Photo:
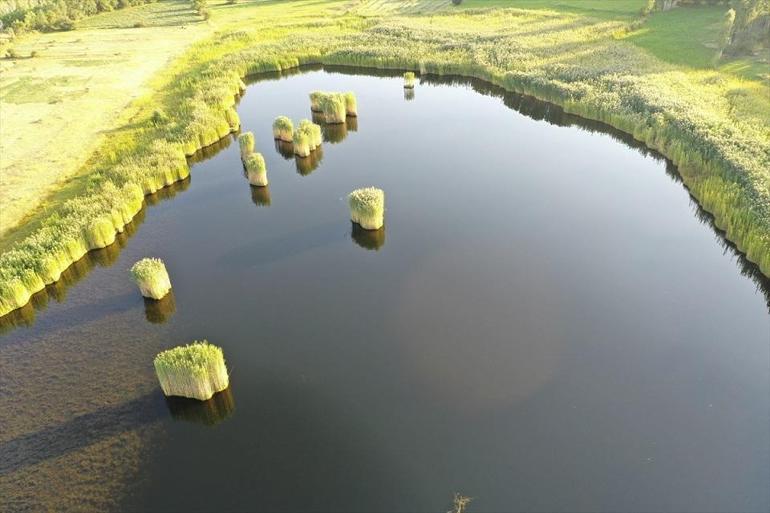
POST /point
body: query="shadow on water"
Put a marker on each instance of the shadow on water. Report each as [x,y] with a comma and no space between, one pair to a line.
[367,239]
[105,257]
[81,431]
[208,413]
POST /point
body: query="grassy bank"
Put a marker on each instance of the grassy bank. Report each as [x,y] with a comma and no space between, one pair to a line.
[712,123]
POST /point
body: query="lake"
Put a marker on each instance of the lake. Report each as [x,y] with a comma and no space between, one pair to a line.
[546,322]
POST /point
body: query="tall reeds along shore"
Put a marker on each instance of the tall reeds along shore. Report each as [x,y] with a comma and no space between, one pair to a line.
[367,207]
[197,371]
[152,278]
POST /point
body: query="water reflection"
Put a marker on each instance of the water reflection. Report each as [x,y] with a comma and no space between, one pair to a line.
[334,133]
[285,149]
[352,123]
[409,94]
[211,150]
[208,413]
[367,239]
[306,165]
[260,196]
[161,310]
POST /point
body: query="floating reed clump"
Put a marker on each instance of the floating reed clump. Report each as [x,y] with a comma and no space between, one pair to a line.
[367,207]
[256,171]
[351,105]
[409,80]
[313,132]
[301,144]
[315,100]
[246,143]
[333,108]
[151,276]
[197,370]
[283,129]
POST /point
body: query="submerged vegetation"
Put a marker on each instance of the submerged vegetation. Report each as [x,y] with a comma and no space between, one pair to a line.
[714,125]
[367,207]
[152,278]
[197,371]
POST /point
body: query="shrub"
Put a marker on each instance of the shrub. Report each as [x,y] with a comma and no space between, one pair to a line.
[246,144]
[367,207]
[409,79]
[256,169]
[151,276]
[283,129]
[197,371]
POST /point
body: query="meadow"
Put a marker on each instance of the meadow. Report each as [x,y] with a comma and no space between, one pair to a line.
[149,85]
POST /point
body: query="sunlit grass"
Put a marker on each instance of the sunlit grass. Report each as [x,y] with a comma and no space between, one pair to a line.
[367,207]
[197,371]
[152,278]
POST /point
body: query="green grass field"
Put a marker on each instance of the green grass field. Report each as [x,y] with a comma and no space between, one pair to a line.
[653,79]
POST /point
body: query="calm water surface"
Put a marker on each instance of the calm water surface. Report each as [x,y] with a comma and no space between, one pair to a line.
[546,322]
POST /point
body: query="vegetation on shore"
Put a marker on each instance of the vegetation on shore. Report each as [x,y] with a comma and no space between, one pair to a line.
[714,125]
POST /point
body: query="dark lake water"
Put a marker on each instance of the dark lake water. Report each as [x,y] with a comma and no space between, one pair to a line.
[546,323]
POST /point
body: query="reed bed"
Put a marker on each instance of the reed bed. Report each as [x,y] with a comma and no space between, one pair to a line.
[256,170]
[301,144]
[283,129]
[409,80]
[313,132]
[367,207]
[152,278]
[196,370]
[246,144]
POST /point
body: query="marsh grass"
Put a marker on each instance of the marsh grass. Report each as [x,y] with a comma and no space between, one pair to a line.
[367,207]
[283,129]
[409,80]
[301,143]
[246,144]
[256,171]
[152,278]
[333,108]
[196,370]
[351,104]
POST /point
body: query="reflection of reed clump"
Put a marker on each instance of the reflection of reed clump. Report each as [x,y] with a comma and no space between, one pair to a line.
[408,94]
[260,196]
[307,165]
[209,413]
[367,239]
[285,149]
[159,311]
[352,123]
[335,133]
